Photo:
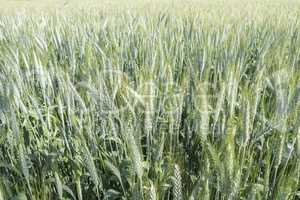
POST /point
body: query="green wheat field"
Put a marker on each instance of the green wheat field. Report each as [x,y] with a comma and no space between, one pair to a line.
[149,100]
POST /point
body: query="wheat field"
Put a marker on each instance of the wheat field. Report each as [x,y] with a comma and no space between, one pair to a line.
[171,100]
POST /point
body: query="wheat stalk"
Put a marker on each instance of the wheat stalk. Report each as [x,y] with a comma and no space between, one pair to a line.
[177,183]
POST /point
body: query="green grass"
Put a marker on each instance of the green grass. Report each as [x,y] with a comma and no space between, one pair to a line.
[194,103]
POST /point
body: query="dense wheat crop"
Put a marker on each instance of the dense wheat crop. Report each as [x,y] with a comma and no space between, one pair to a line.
[192,103]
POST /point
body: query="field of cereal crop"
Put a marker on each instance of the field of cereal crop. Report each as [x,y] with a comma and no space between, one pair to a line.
[171,100]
